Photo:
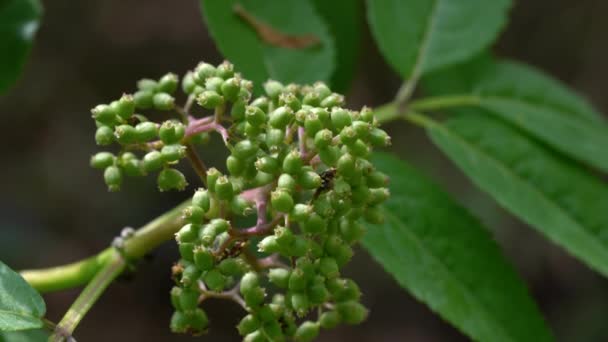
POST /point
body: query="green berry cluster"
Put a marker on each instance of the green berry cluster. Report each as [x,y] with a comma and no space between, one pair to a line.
[298,165]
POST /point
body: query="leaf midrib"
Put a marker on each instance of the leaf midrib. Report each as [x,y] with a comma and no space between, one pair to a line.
[525,183]
[424,43]
[465,289]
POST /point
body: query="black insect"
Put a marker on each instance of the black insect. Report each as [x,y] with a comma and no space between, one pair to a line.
[327,181]
[233,251]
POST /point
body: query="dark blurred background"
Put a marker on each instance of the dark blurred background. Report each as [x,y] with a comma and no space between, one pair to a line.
[54,209]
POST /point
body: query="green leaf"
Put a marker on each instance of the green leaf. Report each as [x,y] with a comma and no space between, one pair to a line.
[533,101]
[258,60]
[19,20]
[343,19]
[34,335]
[555,196]
[445,258]
[419,36]
[21,307]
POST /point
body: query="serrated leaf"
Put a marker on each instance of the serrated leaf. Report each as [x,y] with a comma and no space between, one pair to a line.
[19,20]
[445,258]
[258,60]
[555,196]
[342,17]
[419,36]
[21,307]
[533,101]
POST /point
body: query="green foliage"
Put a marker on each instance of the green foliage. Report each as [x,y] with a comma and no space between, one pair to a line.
[259,60]
[538,104]
[34,335]
[557,197]
[21,307]
[18,25]
[445,258]
[419,36]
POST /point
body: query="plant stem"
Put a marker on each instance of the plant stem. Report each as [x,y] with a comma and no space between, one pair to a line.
[442,102]
[197,163]
[79,273]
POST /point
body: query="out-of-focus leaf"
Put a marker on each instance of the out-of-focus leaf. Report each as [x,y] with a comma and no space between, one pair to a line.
[21,307]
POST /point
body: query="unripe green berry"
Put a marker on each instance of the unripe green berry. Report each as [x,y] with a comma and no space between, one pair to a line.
[312,124]
[273,330]
[249,282]
[361,128]
[203,71]
[286,182]
[171,179]
[311,99]
[377,196]
[223,188]
[125,106]
[245,149]
[333,100]
[343,254]
[168,83]
[179,322]
[125,134]
[373,215]
[281,117]
[212,175]
[348,135]
[193,214]
[172,153]
[231,88]
[301,212]
[241,206]
[188,299]
[102,160]
[225,70]
[267,164]
[269,245]
[329,267]
[281,200]
[307,332]
[214,84]
[279,277]
[340,118]
[188,233]
[175,294]
[273,89]
[329,320]
[203,258]
[314,224]
[153,161]
[231,267]
[147,84]
[300,246]
[317,292]
[274,138]
[104,114]
[323,139]
[292,163]
[346,165]
[255,297]
[220,225]
[255,116]
[262,103]
[351,312]
[171,132]
[351,230]
[188,84]
[297,280]
[290,100]
[186,251]
[215,280]
[113,178]
[323,115]
[256,336]
[190,275]
[300,302]
[235,165]
[360,195]
[284,236]
[198,321]
[163,101]
[210,99]
[248,325]
[321,89]
[132,167]
[378,137]
[309,180]
[359,149]
[201,199]
[366,114]
[104,136]
[146,131]
[143,99]
[376,179]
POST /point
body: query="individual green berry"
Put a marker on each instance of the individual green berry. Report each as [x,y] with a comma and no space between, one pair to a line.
[179,322]
[314,224]
[248,325]
[351,230]
[329,320]
[361,128]
[147,84]
[171,179]
[231,267]
[299,247]
[125,134]
[323,115]
[235,165]
[241,206]
[125,106]
[104,136]
[262,103]
[203,258]
[215,280]
[212,175]
[297,280]
[329,155]
[352,312]
[376,179]
[146,131]
[267,164]
[132,167]
[378,137]
[269,245]
[281,200]
[312,124]
[373,215]
[311,99]
[359,149]
[255,297]
[273,330]
[321,89]
[172,153]
[290,100]
[256,336]
[210,99]
[317,292]
[186,251]
[309,180]
[333,100]
[188,233]
[329,267]
[323,139]
[225,70]
[113,178]
[348,136]
[301,212]
[300,302]
[153,161]
[346,165]
[188,299]
[201,199]
[188,83]
[223,188]
[275,138]
[214,84]
[340,118]
[366,114]
[204,71]
[281,117]
[293,163]
[171,132]
[163,101]
[273,89]
[168,83]
[377,196]
[104,114]
[284,236]
[279,277]
[198,321]
[255,116]
[231,88]
[245,149]
[249,282]
[143,99]
[193,214]
[219,225]
[102,160]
